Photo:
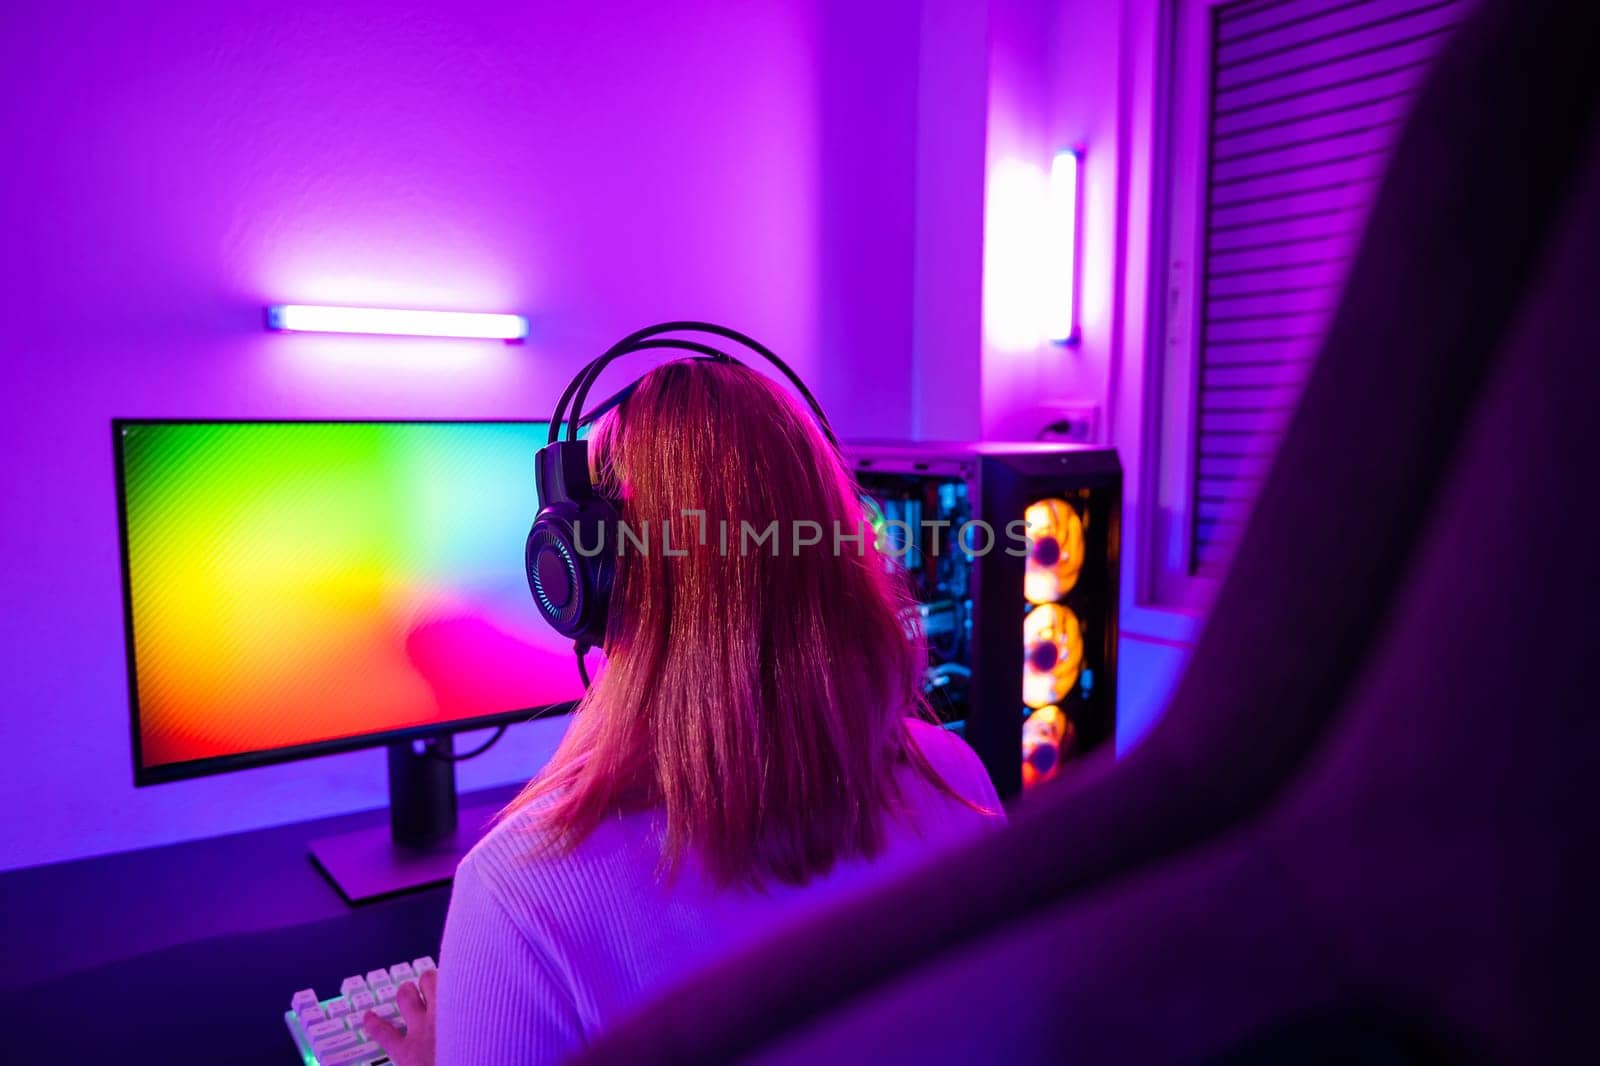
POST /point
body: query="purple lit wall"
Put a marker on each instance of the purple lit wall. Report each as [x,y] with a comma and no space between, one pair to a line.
[952,121]
[1053,83]
[1059,74]
[1002,86]
[174,167]
[1102,80]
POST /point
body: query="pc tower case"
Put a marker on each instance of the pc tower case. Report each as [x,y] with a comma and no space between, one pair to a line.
[1012,553]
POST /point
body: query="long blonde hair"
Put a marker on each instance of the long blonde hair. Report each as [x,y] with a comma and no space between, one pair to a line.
[755,690]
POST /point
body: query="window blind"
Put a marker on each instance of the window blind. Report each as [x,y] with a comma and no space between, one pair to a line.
[1307,97]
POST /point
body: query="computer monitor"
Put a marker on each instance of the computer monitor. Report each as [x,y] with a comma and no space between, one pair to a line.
[295,589]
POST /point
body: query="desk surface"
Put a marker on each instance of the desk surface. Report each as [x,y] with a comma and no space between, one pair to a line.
[189,953]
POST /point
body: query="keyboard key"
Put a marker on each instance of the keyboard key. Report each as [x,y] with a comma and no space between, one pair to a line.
[331,1042]
[335,1028]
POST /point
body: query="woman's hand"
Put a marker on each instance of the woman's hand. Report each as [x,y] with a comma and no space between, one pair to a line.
[417,1003]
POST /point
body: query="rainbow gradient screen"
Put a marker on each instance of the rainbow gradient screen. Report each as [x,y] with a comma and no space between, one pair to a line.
[305,583]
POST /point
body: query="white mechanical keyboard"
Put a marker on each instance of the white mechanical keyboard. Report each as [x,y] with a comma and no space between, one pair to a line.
[327,1032]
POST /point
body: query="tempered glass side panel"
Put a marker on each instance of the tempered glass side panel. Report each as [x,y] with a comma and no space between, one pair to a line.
[917,517]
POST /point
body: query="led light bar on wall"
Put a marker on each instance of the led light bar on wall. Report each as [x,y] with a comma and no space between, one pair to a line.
[305,318]
[1062,256]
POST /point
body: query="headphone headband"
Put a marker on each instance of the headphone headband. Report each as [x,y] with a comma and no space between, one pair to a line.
[703,351]
[577,391]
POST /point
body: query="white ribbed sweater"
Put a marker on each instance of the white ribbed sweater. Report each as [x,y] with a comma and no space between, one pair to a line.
[541,954]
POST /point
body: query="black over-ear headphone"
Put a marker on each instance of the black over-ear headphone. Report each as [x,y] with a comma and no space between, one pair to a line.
[571,550]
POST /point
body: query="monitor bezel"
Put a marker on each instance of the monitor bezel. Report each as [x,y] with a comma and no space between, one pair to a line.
[194,768]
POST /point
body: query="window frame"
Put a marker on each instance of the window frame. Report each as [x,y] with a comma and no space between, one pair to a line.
[1179,195]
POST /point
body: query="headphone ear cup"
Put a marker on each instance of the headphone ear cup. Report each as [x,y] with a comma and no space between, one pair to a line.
[572,587]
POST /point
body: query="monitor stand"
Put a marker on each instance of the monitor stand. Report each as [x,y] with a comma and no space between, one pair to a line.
[425,838]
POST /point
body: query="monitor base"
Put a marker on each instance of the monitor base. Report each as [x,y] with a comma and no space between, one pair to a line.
[368,865]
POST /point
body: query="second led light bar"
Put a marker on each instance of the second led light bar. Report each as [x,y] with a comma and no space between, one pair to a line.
[1061,242]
